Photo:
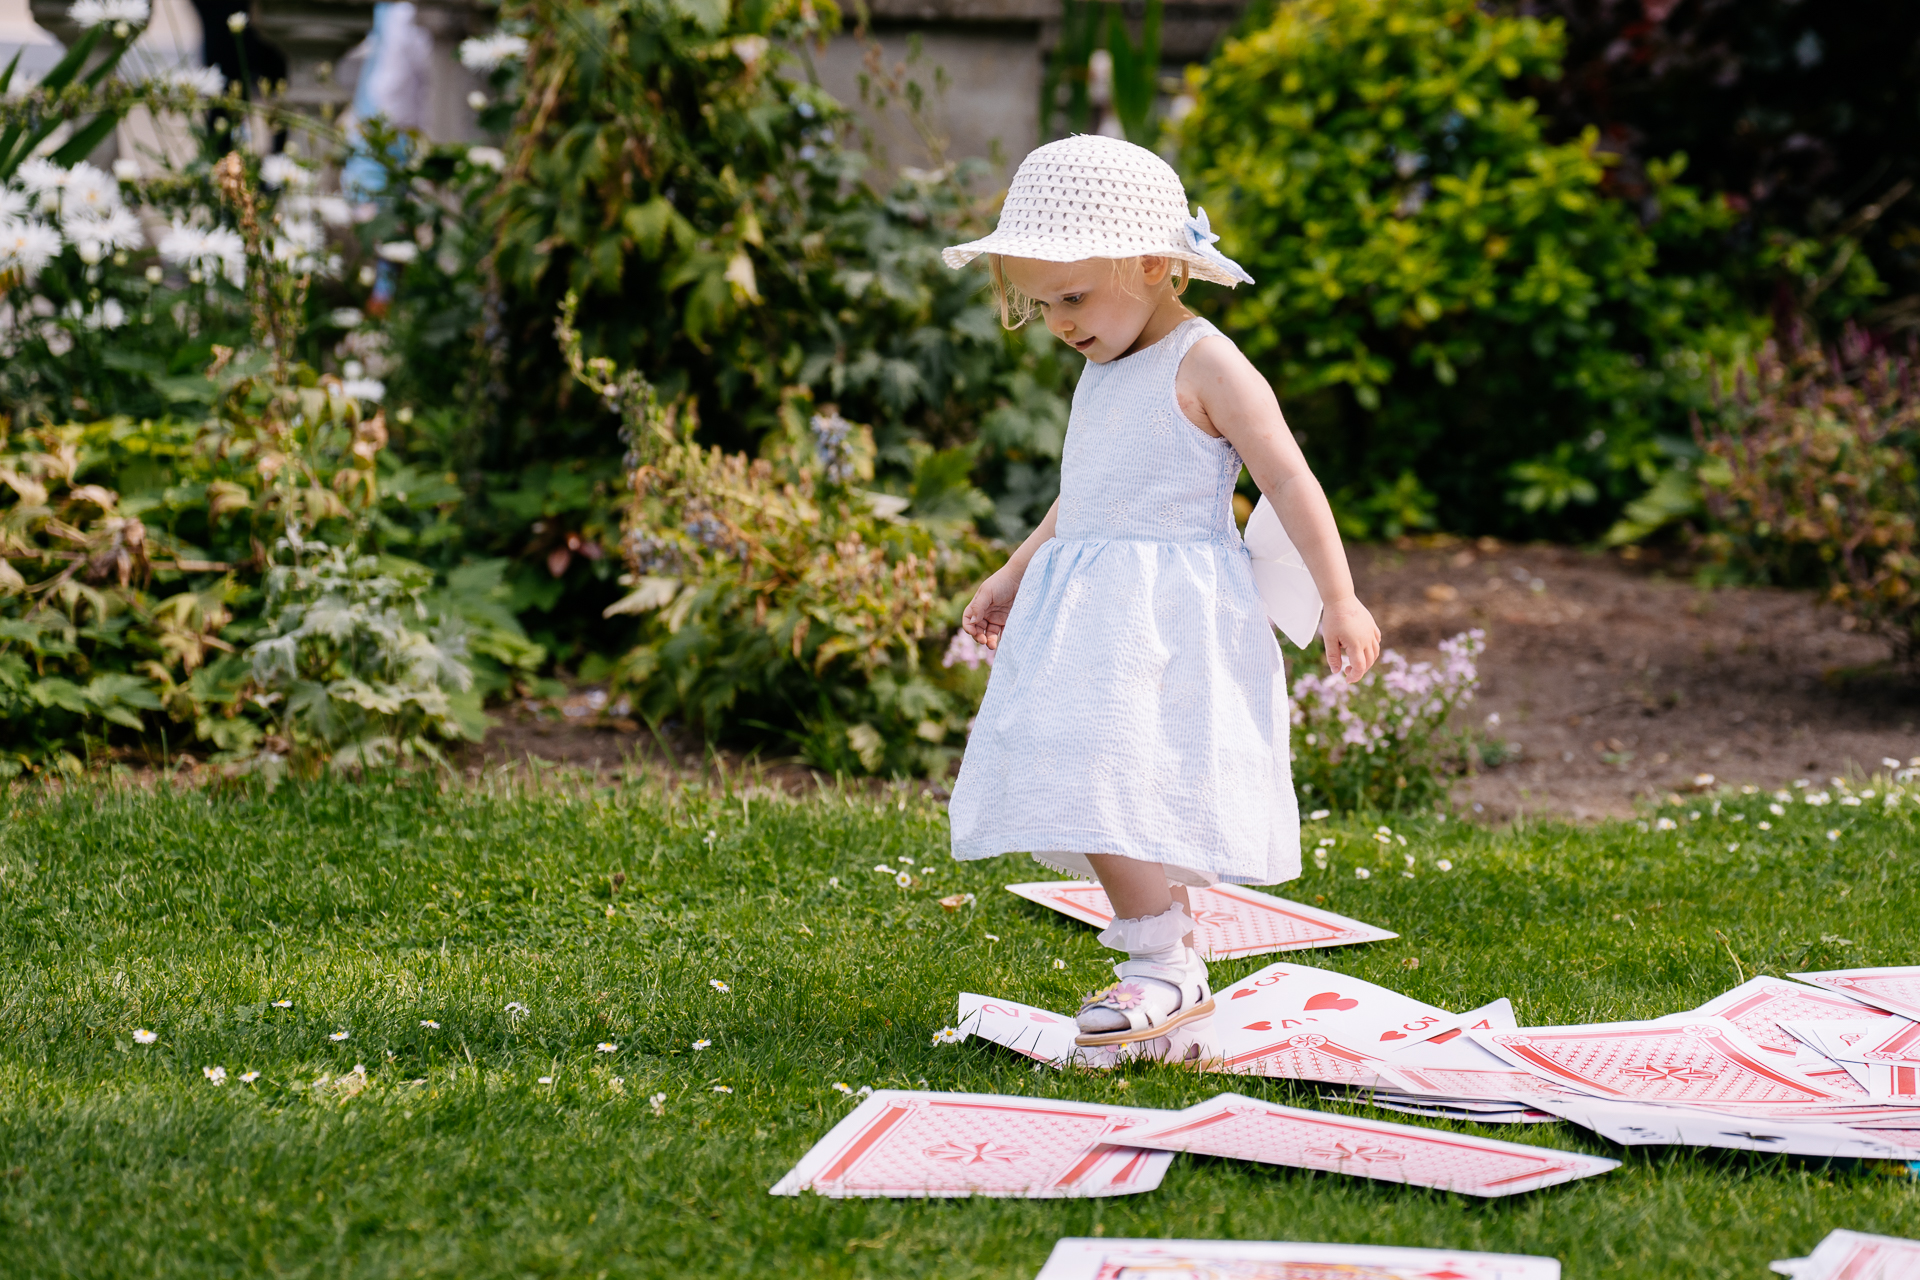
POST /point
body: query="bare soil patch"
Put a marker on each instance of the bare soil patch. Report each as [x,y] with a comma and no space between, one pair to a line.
[1615,682]
[1619,682]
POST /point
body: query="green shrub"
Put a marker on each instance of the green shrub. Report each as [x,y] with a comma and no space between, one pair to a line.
[1466,327]
[779,598]
[1813,478]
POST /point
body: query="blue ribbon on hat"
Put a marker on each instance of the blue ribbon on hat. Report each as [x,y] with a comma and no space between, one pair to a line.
[1202,237]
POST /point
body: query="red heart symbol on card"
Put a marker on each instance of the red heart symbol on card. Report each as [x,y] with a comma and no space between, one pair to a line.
[1394,1035]
[1244,991]
[1331,1000]
[1258,1026]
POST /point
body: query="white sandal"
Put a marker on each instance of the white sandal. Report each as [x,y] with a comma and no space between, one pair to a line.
[1142,998]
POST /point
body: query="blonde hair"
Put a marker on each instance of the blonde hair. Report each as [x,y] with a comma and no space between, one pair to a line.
[1016,308]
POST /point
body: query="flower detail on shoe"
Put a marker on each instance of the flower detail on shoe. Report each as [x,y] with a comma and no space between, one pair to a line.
[1121,995]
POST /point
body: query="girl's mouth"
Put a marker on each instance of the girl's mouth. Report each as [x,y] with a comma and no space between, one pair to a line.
[1083,343]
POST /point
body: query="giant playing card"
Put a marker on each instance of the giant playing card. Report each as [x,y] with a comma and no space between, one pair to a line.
[1087,1258]
[1641,1124]
[1234,921]
[1852,1255]
[903,1143]
[1247,1129]
[1302,1023]
[1759,1007]
[1699,1061]
[1896,990]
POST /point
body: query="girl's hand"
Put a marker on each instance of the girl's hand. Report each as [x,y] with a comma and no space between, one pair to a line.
[1352,639]
[986,615]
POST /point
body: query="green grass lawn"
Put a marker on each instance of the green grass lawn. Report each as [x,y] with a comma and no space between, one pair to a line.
[607,915]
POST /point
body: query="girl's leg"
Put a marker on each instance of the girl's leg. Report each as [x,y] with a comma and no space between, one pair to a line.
[1138,890]
[1161,975]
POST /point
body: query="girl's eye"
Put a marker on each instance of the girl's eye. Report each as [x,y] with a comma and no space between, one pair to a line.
[1073,299]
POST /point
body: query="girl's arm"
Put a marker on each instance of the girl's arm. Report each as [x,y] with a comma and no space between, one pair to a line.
[986,614]
[1225,395]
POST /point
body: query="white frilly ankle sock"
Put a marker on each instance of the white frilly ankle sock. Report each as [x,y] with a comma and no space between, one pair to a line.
[1151,937]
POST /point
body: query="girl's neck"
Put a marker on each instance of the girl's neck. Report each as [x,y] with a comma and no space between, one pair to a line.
[1169,315]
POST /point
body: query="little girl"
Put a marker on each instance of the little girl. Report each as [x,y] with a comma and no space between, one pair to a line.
[1134,729]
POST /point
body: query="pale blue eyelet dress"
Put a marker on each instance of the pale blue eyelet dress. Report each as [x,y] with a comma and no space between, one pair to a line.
[1138,703]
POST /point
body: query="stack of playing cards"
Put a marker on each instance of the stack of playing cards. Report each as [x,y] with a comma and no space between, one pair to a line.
[1849,1255]
[902,1143]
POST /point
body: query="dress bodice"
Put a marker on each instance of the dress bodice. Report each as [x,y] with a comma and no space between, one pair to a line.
[1134,468]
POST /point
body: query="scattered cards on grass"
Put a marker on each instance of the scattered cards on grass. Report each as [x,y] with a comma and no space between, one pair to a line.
[1759,1006]
[1635,1124]
[1896,990]
[1087,1258]
[1301,1023]
[903,1143]
[1245,1128]
[1852,1255]
[1234,921]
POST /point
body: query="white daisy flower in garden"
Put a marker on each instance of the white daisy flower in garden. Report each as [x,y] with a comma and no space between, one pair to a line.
[1059,964]
[214,1075]
[282,170]
[1444,864]
[866,1091]
[92,13]
[718,985]
[1833,834]
[207,249]
[721,1088]
[283,1004]
[842,1087]
[208,82]
[904,858]
[545,1080]
[1766,826]
[1318,814]
[991,937]
[429,1024]
[904,880]
[701,1044]
[143,1036]
[515,1009]
[948,1035]
[1703,780]
[249,1077]
[1665,824]
[42,176]
[338,1036]
[659,1104]
[606,1046]
[93,238]
[883,869]
[1734,847]
[1361,873]
[490,53]
[371,390]
[27,247]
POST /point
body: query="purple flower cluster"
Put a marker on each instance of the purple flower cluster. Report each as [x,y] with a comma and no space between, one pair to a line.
[968,651]
[1398,702]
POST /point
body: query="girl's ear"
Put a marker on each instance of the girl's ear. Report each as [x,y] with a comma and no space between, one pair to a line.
[1155,269]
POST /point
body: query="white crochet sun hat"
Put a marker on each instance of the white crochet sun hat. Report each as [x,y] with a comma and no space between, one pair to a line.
[1096,197]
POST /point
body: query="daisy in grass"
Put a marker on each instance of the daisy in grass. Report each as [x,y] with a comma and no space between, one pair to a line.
[249,1077]
[659,1104]
[429,1024]
[606,1046]
[721,1088]
[948,1035]
[214,1075]
[338,1036]
[718,985]
[701,1044]
[143,1036]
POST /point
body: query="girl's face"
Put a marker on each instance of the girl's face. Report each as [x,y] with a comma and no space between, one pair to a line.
[1099,306]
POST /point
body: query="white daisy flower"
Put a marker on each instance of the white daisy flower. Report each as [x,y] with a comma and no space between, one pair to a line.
[429,1024]
[721,1088]
[1444,864]
[659,1104]
[606,1046]
[1833,833]
[701,1044]
[1665,824]
[283,1004]
[371,390]
[489,53]
[1059,964]
[143,1036]
[718,985]
[249,1077]
[1318,814]
[487,158]
[842,1087]
[1766,826]
[948,1035]
[92,13]
[27,247]
[991,937]
[93,238]
[866,1091]
[1361,873]
[904,880]
[208,82]
[282,170]
[214,1075]
[545,1080]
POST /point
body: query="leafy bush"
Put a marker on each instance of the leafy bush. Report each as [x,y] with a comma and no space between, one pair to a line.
[780,598]
[1380,744]
[1813,476]
[1468,330]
